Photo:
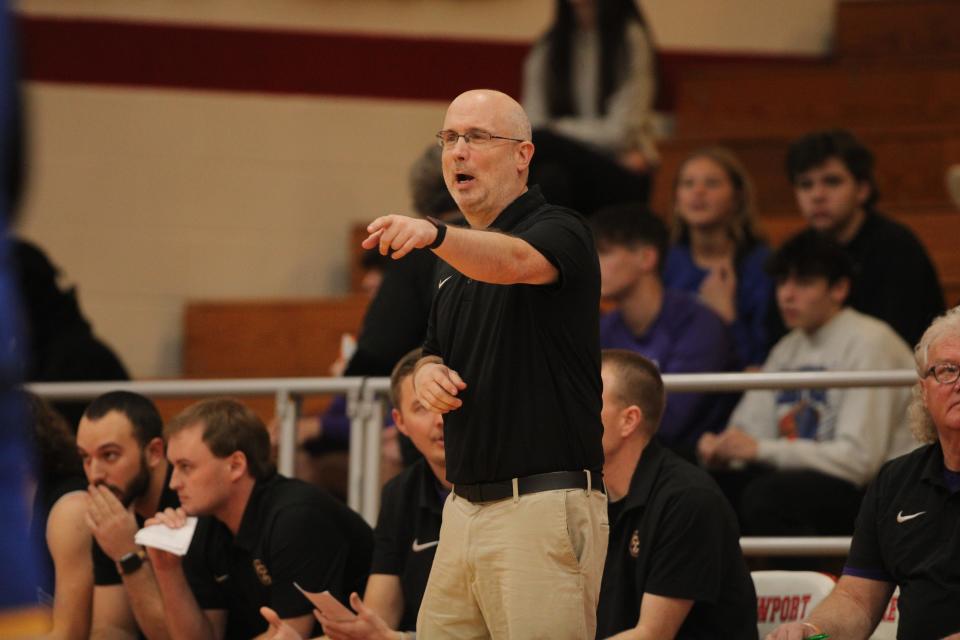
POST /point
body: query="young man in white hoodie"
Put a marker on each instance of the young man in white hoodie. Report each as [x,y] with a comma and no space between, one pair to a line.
[795,462]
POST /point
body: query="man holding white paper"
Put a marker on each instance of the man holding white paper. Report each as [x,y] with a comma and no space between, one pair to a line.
[257,534]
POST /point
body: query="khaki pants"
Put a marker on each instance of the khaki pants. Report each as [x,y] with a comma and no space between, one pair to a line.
[522,568]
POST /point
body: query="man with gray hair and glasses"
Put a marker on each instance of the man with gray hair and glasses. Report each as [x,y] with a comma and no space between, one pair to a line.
[512,360]
[908,522]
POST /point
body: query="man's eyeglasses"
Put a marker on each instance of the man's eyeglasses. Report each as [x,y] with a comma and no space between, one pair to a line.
[447,139]
[944,372]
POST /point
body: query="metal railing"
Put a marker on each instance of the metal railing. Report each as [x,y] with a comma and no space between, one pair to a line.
[366,406]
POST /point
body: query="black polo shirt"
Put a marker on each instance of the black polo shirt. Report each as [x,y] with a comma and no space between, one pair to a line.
[290,532]
[675,535]
[104,569]
[407,532]
[908,533]
[529,354]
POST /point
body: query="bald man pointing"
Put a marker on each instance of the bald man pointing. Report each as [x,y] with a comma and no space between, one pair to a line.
[512,360]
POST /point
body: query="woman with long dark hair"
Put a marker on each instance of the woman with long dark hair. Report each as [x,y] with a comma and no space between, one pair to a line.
[591,78]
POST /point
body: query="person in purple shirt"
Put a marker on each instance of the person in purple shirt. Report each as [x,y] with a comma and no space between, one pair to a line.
[717,252]
[672,328]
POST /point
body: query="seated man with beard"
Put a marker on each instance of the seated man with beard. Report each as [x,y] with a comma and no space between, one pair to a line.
[120,444]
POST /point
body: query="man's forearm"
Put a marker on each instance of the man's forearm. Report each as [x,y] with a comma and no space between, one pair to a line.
[146,603]
[494,257]
[850,613]
[184,618]
[111,633]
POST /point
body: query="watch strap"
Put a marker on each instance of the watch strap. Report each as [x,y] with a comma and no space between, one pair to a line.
[441,232]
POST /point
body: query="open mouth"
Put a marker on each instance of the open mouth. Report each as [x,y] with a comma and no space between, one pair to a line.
[464,178]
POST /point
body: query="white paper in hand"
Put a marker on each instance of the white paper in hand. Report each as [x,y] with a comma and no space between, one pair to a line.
[328,605]
[160,536]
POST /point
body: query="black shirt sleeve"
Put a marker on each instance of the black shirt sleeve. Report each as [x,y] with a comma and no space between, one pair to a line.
[565,240]
[865,559]
[687,560]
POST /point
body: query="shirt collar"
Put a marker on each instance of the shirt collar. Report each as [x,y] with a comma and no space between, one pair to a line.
[250,523]
[644,476]
[516,211]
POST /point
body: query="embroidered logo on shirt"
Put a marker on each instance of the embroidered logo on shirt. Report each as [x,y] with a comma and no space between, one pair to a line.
[262,574]
[443,282]
[634,547]
[221,579]
[417,548]
[902,518]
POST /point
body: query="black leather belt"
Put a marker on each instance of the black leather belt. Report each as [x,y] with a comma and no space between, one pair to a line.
[490,491]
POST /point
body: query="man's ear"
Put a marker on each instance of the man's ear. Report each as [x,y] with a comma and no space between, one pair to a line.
[863,192]
[154,451]
[631,420]
[648,257]
[398,420]
[840,290]
[237,463]
[524,155]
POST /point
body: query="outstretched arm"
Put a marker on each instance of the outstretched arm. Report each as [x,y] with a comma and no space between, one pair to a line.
[486,256]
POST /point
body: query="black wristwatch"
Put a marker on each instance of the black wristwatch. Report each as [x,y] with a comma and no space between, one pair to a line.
[131,562]
[441,232]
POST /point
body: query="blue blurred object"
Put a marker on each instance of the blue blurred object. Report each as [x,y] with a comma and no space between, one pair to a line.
[18,552]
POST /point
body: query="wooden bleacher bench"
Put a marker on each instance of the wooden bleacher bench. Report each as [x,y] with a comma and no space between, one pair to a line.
[265,339]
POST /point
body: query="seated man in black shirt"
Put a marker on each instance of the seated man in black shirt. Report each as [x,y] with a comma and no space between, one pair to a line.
[905,533]
[258,532]
[120,444]
[674,568]
[408,528]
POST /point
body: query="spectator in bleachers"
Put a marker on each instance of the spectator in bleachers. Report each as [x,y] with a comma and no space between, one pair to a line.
[674,567]
[672,328]
[592,78]
[905,534]
[59,511]
[717,252]
[588,87]
[809,452]
[833,179]
[408,527]
[61,344]
[257,533]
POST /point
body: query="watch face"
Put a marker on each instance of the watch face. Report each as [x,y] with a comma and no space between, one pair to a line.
[131,562]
